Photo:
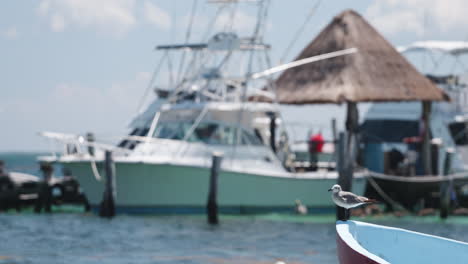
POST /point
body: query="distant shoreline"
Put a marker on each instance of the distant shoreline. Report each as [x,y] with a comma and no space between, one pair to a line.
[23,152]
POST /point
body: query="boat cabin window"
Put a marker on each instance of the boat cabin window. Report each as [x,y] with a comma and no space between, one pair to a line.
[130,144]
[388,130]
[211,134]
[208,133]
[250,139]
[172,130]
[459,133]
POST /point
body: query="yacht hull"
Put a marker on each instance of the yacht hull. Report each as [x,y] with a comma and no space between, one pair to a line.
[168,188]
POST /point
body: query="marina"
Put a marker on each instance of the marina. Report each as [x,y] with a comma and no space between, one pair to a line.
[163,165]
[346,145]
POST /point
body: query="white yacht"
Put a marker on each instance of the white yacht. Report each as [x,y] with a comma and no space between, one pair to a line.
[163,164]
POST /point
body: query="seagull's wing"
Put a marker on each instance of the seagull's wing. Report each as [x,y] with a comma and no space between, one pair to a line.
[367,200]
[352,198]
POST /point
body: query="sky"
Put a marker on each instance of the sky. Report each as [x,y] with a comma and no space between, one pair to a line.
[75,66]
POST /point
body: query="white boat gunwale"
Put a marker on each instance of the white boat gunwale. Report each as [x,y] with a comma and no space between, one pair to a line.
[320,174]
[352,234]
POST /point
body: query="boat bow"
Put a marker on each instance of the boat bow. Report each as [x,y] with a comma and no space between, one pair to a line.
[359,242]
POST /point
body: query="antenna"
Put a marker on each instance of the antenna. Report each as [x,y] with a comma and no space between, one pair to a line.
[300,31]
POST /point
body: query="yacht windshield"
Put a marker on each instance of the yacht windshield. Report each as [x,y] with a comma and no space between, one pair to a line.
[459,133]
[207,132]
[130,144]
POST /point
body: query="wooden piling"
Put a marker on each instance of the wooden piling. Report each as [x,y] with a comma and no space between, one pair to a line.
[272,116]
[44,199]
[107,208]
[446,186]
[212,204]
[426,144]
[345,172]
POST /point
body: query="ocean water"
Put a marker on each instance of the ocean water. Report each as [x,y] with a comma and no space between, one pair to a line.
[71,236]
[21,162]
[86,238]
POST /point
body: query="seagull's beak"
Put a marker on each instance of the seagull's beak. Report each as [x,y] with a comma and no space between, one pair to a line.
[329,190]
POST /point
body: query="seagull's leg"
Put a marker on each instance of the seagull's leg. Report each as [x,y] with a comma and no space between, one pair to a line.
[347,214]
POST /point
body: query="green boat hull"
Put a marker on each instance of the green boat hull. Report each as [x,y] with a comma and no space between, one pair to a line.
[168,188]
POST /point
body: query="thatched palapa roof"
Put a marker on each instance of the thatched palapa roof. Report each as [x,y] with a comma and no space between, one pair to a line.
[377,72]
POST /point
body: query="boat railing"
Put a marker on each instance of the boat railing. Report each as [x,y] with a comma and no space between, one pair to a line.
[173,148]
[79,145]
[373,177]
[152,147]
[77,142]
[421,178]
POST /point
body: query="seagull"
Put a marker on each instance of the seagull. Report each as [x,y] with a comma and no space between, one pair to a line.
[300,208]
[348,200]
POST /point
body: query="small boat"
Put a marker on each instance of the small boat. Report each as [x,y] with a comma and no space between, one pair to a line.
[18,190]
[359,242]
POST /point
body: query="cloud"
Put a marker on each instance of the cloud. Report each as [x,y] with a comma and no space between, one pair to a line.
[11,33]
[57,23]
[143,76]
[242,22]
[71,107]
[394,16]
[120,94]
[115,16]
[156,16]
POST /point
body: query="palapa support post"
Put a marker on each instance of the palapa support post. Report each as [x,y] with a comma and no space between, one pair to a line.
[426,143]
[352,127]
[351,117]
[335,143]
[334,132]
[107,208]
[344,177]
[212,204]
[446,186]
[44,199]
[347,154]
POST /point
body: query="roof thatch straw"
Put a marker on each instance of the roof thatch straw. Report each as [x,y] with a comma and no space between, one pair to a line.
[376,73]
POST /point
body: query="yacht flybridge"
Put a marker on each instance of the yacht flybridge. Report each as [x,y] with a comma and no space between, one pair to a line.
[163,164]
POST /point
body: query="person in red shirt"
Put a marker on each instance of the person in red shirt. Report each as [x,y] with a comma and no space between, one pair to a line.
[316,143]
